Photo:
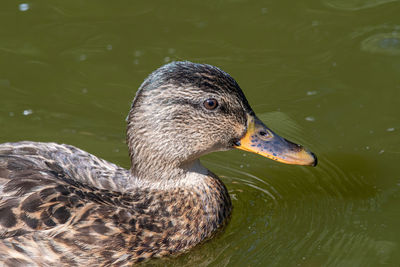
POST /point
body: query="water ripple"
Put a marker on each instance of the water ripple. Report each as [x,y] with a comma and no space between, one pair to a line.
[382,43]
[313,214]
[353,5]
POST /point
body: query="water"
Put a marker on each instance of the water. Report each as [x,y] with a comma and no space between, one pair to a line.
[323,73]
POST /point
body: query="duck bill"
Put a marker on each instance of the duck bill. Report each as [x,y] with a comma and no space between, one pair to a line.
[261,140]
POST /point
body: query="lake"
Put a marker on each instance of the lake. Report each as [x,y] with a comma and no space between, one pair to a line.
[325,74]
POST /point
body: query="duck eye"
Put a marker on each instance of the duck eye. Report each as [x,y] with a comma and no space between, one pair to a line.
[210,104]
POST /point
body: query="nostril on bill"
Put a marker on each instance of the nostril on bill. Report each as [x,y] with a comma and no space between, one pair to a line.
[262,133]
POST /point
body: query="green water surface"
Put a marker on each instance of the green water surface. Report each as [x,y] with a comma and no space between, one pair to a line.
[323,73]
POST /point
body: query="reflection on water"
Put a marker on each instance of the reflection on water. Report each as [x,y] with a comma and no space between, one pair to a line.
[90,48]
[355,4]
[17,48]
[380,39]
[383,43]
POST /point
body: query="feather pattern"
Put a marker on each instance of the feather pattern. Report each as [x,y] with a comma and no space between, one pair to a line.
[61,205]
[48,215]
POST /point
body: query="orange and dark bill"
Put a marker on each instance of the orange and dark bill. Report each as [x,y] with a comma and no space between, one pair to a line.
[261,140]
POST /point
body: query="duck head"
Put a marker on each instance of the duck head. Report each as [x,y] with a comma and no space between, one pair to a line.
[184,110]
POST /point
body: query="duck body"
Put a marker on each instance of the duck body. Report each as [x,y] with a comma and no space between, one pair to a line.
[62,206]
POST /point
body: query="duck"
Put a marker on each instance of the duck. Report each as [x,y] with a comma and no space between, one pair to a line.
[60,205]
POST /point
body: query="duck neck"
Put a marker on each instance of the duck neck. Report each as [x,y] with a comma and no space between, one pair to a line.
[168,177]
[153,169]
[155,161]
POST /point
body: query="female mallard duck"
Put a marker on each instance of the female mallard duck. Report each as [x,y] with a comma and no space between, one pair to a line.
[60,205]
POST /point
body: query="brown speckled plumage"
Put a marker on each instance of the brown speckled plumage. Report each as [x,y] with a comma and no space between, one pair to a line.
[47,215]
[61,206]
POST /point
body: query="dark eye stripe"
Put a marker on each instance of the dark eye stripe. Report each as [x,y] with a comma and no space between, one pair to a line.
[221,107]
